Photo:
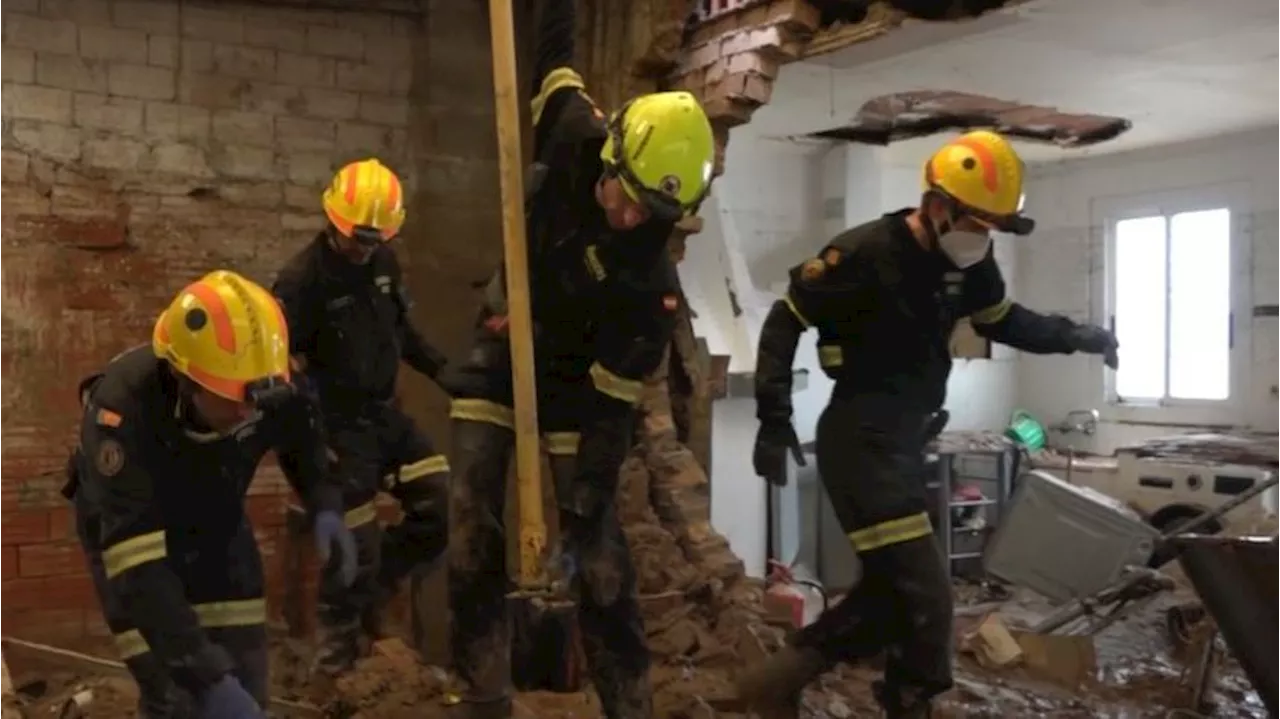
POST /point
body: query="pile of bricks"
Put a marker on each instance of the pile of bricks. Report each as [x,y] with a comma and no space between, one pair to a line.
[734,55]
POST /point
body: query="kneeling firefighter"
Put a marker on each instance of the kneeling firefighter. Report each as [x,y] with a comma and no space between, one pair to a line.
[885,297]
[169,442]
[348,313]
[604,298]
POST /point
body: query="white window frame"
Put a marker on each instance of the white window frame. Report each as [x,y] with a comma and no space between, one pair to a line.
[1235,197]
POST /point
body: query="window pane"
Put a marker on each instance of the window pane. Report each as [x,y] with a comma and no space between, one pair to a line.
[1200,305]
[1140,307]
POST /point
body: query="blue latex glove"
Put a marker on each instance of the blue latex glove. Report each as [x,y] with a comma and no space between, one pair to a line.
[331,530]
[227,699]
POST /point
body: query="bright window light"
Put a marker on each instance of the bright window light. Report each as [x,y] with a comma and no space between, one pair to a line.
[1172,306]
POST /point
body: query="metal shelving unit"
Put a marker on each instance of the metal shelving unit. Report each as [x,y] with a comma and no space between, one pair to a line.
[992,470]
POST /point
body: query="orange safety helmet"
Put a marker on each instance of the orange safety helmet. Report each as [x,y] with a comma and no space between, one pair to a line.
[227,334]
[367,196]
[981,174]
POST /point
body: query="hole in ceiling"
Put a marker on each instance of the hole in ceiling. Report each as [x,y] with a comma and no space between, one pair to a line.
[905,115]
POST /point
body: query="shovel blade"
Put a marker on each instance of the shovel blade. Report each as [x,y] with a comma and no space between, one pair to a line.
[546,645]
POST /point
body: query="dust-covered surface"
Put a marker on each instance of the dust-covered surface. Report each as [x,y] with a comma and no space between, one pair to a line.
[704,619]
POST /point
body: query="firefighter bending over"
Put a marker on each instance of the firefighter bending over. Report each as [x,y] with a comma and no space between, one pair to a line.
[885,297]
[170,440]
[349,315]
[604,295]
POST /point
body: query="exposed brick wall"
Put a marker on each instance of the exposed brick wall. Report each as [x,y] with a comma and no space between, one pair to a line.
[145,143]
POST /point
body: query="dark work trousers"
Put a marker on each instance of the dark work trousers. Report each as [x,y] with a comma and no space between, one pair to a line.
[380,449]
[603,578]
[224,584]
[870,459]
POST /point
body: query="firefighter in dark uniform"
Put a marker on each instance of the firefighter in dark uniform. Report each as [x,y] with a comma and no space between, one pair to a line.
[605,295]
[885,297]
[170,440]
[349,324]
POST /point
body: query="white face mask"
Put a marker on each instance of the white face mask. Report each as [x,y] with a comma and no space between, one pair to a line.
[965,249]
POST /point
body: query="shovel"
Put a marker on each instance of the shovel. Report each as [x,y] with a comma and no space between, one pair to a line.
[544,635]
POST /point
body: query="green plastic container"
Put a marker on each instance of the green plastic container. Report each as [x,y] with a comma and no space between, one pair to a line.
[1026,430]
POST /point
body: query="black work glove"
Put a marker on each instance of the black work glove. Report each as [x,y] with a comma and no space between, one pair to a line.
[1094,340]
[774,439]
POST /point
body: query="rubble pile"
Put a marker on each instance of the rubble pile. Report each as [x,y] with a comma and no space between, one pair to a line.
[705,618]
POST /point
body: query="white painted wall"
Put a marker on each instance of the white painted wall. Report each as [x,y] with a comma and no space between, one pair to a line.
[777,204]
[1061,269]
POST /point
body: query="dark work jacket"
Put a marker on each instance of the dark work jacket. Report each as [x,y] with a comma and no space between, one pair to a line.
[885,308]
[157,489]
[351,323]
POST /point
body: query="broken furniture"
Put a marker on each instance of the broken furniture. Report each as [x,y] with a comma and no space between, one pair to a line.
[1067,542]
[1057,540]
[970,475]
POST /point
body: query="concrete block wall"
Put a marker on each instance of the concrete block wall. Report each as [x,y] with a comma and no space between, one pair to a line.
[146,142]
[1061,269]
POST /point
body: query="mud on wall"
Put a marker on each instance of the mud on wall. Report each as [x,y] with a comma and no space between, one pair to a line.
[146,142]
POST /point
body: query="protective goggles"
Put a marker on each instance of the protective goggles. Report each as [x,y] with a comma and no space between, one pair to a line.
[1015,224]
[269,392]
[367,236]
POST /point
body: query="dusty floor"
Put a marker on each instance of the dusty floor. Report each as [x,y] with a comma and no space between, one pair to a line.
[704,618]
[1138,676]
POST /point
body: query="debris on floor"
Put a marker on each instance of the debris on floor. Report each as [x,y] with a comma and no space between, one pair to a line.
[705,618]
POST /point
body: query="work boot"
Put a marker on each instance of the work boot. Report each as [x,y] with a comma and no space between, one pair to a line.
[339,650]
[899,704]
[772,687]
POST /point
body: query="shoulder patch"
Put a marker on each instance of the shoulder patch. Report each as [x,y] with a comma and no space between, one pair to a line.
[110,458]
[813,269]
[107,418]
[670,303]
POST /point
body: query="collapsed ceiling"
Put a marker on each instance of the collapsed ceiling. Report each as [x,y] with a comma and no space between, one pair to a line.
[905,115]
[853,11]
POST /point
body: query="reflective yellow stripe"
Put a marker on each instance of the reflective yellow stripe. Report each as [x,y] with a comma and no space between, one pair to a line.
[211,615]
[435,464]
[620,388]
[993,314]
[830,355]
[482,410]
[791,305]
[556,79]
[894,531]
[594,265]
[132,552]
[562,444]
[360,516]
[130,644]
[234,613]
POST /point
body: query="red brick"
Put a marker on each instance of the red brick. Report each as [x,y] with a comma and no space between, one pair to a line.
[62,524]
[266,510]
[9,562]
[22,594]
[45,624]
[73,591]
[29,527]
[51,559]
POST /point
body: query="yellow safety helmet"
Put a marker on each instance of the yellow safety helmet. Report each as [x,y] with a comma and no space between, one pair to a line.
[227,334]
[661,147]
[981,174]
[366,201]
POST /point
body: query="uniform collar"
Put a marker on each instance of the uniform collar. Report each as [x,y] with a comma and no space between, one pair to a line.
[905,239]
